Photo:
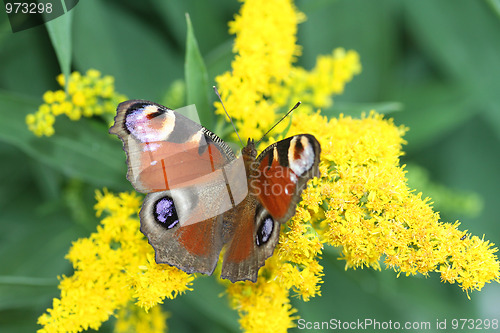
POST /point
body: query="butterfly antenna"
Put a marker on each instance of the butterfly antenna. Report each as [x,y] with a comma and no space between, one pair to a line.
[296,106]
[227,114]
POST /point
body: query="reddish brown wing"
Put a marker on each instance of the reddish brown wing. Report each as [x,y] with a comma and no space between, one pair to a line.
[166,150]
[191,248]
[184,225]
[277,179]
[171,157]
[282,173]
[252,240]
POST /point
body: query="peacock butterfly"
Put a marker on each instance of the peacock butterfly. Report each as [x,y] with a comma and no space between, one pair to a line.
[201,197]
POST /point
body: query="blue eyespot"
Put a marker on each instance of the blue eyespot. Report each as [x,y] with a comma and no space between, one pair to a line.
[165,213]
[265,231]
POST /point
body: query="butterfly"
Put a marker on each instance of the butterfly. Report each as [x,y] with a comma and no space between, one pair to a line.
[202,198]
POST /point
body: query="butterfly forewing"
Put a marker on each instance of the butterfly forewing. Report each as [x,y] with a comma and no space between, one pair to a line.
[282,172]
[166,150]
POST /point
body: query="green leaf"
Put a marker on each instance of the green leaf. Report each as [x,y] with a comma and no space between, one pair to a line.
[129,46]
[207,290]
[447,200]
[462,40]
[27,281]
[495,6]
[211,15]
[217,317]
[350,24]
[218,60]
[59,31]
[78,149]
[197,78]
[432,109]
[355,109]
[5,29]
[48,180]
[32,247]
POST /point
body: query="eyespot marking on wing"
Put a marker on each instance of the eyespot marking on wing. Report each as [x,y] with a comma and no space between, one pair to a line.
[300,155]
[149,123]
[164,212]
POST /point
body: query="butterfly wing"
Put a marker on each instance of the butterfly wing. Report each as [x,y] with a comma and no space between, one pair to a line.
[184,225]
[166,150]
[276,181]
[183,167]
[282,173]
[253,237]
[192,247]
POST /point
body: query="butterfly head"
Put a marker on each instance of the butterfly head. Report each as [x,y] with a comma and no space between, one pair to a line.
[249,149]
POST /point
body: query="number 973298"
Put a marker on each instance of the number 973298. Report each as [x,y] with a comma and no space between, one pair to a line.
[28,7]
[474,324]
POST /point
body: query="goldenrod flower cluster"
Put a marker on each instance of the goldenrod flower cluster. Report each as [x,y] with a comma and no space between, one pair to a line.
[255,302]
[315,88]
[263,78]
[85,96]
[113,267]
[371,213]
[135,319]
[361,203]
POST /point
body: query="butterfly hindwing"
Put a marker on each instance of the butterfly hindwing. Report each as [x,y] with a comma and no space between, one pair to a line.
[253,237]
[191,248]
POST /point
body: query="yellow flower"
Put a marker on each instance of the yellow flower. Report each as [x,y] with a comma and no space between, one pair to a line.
[263,306]
[48,97]
[87,95]
[263,79]
[135,319]
[265,47]
[78,99]
[112,268]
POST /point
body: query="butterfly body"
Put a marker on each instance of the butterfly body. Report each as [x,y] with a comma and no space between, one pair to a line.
[202,198]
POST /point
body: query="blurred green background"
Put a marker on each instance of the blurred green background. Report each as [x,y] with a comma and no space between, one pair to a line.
[433,65]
